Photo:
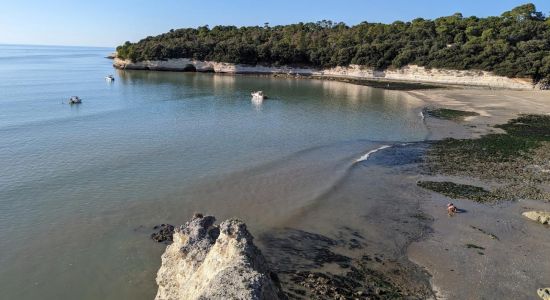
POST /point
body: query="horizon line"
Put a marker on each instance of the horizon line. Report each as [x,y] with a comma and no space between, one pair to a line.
[54,45]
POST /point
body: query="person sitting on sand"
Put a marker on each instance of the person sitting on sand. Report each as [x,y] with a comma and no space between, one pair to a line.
[451,209]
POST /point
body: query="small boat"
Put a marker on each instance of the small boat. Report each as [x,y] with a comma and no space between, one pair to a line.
[110,78]
[75,100]
[258,95]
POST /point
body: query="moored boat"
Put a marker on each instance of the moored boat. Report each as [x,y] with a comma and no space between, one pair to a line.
[110,78]
[75,100]
[258,95]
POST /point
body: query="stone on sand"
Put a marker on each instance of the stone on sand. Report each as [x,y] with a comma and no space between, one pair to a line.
[544,293]
[538,216]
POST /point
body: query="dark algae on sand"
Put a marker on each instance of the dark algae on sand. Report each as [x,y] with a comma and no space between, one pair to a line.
[459,191]
[515,163]
[449,114]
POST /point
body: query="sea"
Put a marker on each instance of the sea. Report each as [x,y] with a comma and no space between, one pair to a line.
[83,185]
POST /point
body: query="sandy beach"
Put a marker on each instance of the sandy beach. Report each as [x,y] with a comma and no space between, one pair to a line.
[512,259]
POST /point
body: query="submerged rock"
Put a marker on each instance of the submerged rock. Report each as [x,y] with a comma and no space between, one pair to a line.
[538,216]
[215,262]
[164,233]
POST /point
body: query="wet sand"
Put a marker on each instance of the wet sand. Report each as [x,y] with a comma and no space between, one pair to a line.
[338,219]
[493,106]
[515,263]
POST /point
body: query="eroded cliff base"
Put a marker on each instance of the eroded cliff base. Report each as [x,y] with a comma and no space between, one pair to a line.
[352,73]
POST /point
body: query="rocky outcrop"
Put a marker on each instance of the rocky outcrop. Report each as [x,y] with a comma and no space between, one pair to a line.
[215,262]
[538,216]
[544,293]
[164,233]
[411,73]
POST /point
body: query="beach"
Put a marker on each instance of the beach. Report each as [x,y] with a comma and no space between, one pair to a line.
[401,234]
[512,263]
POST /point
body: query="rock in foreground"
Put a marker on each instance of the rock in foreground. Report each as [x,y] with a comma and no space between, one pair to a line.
[544,293]
[538,216]
[164,233]
[215,262]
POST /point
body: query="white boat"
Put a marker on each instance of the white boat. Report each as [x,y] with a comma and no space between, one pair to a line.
[110,78]
[258,95]
[75,100]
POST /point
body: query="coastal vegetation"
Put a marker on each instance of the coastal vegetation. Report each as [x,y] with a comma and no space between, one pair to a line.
[518,160]
[515,44]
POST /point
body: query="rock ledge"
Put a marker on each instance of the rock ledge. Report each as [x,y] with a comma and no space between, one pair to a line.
[215,262]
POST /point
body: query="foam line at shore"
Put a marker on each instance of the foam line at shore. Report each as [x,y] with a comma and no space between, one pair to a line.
[366,156]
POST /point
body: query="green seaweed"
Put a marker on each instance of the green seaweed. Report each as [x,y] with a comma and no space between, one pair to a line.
[511,159]
[458,191]
[491,147]
[450,114]
[522,135]
[531,127]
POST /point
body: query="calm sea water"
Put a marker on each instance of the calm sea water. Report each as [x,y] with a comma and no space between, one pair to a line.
[81,186]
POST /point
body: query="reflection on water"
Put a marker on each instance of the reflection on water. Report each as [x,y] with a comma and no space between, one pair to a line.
[257,103]
[80,186]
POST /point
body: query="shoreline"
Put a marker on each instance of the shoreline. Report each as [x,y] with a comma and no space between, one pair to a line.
[453,269]
[408,75]
[459,272]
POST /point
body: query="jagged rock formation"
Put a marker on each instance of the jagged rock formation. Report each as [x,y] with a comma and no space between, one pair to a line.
[538,216]
[411,73]
[544,293]
[163,234]
[215,262]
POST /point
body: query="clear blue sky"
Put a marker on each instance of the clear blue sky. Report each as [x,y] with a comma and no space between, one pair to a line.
[109,23]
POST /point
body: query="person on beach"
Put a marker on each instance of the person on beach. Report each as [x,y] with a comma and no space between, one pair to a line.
[451,209]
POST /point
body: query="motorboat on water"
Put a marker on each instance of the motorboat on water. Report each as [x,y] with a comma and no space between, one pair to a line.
[75,100]
[258,95]
[110,78]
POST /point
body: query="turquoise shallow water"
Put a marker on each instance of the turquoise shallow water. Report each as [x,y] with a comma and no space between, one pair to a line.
[80,186]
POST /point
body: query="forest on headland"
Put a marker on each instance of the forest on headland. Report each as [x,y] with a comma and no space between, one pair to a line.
[515,44]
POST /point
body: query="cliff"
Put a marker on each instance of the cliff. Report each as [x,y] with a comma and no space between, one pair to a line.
[411,73]
[214,262]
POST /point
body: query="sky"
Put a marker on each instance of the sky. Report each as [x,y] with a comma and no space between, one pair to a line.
[110,23]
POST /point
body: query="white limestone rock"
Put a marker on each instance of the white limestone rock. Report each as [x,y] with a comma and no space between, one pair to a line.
[538,216]
[214,262]
[410,73]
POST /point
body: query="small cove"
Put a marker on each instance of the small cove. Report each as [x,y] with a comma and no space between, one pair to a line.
[82,186]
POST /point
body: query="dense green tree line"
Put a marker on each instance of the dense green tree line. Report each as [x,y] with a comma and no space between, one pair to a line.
[515,44]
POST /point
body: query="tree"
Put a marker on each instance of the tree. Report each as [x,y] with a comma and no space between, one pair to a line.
[517,43]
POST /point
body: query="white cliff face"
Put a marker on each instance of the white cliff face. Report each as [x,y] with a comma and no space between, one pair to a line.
[414,73]
[214,262]
[184,64]
[409,73]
